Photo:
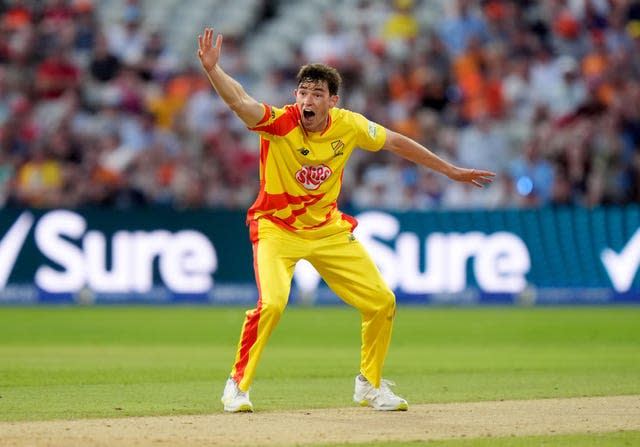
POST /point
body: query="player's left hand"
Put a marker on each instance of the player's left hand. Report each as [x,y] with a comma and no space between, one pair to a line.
[477,177]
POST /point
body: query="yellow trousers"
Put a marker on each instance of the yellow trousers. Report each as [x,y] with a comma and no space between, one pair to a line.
[347,269]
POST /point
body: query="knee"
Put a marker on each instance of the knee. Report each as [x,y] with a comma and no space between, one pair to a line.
[384,303]
[389,302]
[273,309]
[388,299]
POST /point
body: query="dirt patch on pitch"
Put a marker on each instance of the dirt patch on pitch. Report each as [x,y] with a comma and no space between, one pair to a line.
[339,425]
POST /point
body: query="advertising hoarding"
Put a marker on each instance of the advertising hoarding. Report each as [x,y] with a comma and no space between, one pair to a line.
[162,256]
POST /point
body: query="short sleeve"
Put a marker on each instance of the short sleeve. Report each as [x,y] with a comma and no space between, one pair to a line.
[371,135]
[276,121]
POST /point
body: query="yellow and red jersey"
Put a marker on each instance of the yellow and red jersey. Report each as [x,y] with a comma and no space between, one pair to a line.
[301,172]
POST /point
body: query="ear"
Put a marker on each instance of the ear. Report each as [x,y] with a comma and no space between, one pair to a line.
[334,100]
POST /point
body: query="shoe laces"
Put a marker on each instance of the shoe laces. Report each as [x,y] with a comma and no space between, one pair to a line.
[240,393]
[237,392]
[385,389]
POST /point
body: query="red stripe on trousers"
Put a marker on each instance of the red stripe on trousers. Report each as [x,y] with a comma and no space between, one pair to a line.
[250,329]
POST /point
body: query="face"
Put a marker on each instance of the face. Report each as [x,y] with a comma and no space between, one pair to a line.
[314,102]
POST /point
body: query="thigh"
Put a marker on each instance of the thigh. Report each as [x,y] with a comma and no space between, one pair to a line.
[274,257]
[349,271]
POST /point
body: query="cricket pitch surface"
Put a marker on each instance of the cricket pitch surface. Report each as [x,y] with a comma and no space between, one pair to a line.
[338,425]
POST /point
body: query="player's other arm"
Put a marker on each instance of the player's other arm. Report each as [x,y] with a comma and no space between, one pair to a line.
[232,93]
[410,149]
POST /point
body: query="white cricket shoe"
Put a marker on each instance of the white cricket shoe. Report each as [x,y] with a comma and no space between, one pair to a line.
[378,398]
[234,400]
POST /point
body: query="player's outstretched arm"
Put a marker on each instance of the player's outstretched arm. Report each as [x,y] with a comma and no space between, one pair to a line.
[232,93]
[413,151]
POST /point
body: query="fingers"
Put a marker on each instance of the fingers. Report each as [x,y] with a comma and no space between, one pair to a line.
[207,39]
[485,173]
[481,178]
[481,182]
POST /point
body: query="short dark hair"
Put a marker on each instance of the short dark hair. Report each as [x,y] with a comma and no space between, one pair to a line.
[320,72]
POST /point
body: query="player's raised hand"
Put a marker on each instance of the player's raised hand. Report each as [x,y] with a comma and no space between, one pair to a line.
[476,177]
[207,51]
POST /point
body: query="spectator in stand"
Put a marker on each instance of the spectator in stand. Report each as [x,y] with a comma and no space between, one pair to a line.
[595,62]
[127,38]
[103,68]
[329,45]
[401,23]
[610,181]
[532,175]
[400,29]
[21,130]
[462,24]
[6,96]
[39,181]
[483,143]
[56,15]
[56,24]
[518,92]
[56,74]
[542,71]
[104,65]
[186,183]
[615,33]
[158,61]
[18,15]
[500,20]
[593,14]
[7,172]
[426,192]
[86,28]
[404,89]
[563,91]
[568,36]
[18,40]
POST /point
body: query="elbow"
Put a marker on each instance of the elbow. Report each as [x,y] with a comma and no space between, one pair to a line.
[393,142]
[245,109]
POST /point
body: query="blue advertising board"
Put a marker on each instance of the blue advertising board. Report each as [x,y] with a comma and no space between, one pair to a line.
[164,256]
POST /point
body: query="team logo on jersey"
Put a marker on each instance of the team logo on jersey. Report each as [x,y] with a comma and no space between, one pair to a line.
[311,177]
[338,147]
[304,151]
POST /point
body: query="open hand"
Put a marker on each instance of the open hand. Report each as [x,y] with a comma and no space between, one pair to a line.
[207,51]
[476,177]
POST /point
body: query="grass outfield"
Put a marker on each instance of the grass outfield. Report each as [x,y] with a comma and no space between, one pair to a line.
[85,362]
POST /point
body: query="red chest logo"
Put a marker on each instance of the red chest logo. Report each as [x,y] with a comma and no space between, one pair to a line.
[311,177]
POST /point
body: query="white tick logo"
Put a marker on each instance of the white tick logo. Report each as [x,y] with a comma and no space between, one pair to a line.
[11,244]
[622,267]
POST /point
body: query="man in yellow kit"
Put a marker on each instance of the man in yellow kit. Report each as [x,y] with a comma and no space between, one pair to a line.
[303,151]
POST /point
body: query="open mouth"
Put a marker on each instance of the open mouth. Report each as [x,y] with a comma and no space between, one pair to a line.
[308,114]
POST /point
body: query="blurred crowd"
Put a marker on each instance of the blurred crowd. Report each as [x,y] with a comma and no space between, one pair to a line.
[546,93]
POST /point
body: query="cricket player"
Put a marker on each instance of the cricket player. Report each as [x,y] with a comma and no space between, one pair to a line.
[303,151]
